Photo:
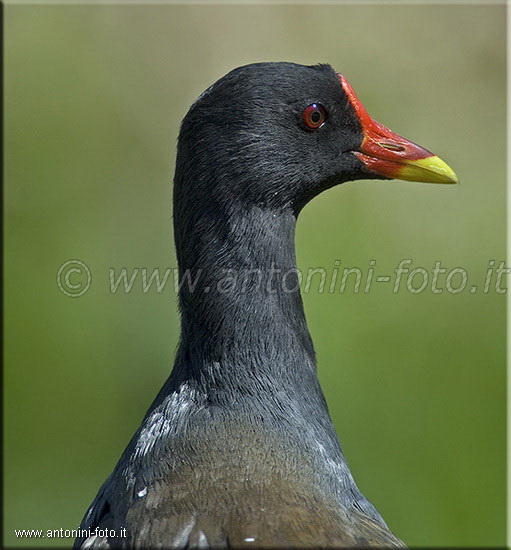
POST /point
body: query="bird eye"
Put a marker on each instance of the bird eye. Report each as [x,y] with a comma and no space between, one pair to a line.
[314,116]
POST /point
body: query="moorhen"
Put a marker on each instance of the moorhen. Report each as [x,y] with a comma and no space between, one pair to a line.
[238,448]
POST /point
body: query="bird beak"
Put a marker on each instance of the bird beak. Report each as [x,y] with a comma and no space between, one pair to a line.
[388,154]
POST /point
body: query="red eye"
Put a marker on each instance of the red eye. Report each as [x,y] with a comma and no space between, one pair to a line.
[314,116]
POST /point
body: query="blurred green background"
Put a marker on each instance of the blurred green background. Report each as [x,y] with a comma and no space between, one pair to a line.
[415,382]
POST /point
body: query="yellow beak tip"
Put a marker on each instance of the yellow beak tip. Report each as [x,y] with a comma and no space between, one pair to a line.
[428,170]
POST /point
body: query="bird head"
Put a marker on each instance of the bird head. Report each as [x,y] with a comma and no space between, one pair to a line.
[280,133]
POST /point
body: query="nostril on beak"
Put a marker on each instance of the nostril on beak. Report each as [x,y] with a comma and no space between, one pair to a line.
[391,146]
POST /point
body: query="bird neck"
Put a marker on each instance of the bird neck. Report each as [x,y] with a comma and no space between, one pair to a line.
[240,300]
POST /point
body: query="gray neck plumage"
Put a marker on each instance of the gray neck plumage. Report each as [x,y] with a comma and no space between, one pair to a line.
[242,315]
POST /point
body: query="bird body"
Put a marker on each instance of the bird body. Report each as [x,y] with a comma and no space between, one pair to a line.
[238,448]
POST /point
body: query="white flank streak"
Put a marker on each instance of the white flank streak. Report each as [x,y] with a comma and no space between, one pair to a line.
[164,419]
